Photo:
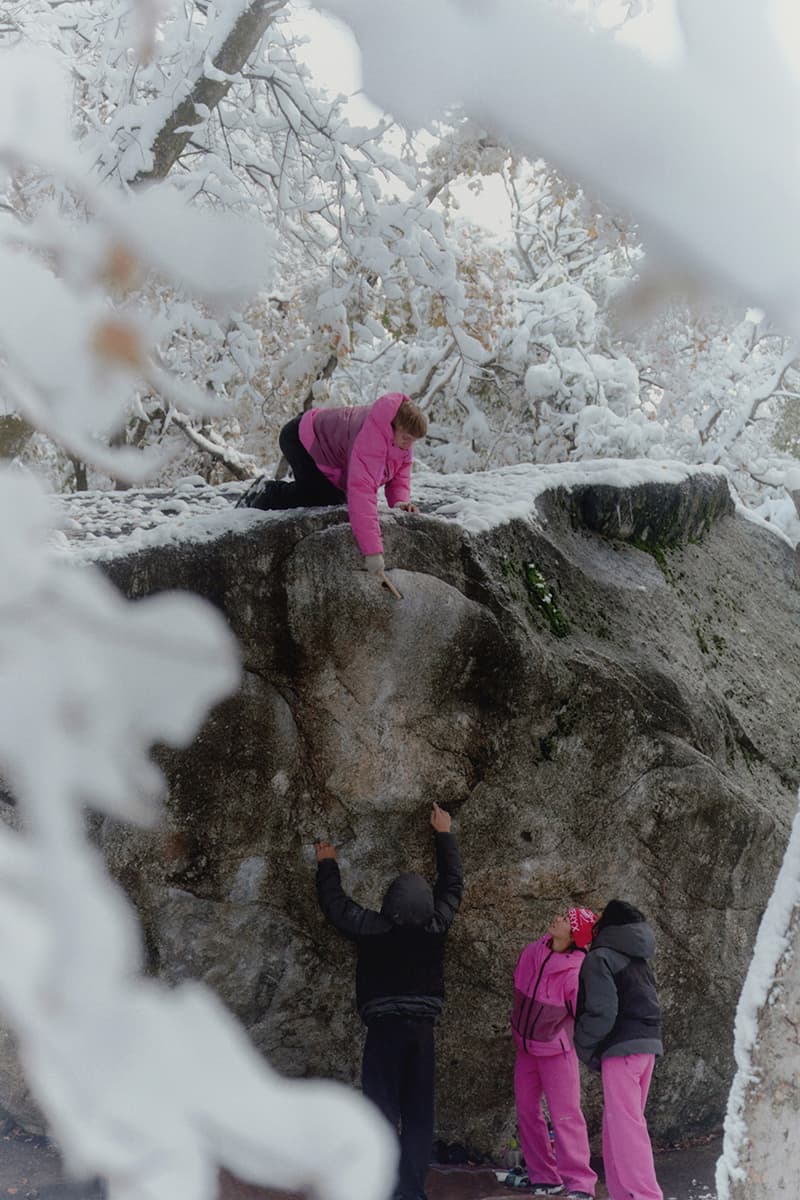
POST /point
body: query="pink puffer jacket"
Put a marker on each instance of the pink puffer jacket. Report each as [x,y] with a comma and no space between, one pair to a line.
[354,448]
[545,995]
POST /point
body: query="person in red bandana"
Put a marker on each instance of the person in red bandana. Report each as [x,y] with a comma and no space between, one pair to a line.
[542,1022]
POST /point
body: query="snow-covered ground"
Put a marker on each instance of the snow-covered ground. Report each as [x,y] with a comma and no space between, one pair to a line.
[99,526]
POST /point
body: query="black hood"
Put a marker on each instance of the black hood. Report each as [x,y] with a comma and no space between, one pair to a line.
[637,940]
[408,900]
[618,912]
[623,927]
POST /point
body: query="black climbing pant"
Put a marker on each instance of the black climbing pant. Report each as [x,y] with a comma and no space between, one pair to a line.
[398,1077]
[308,489]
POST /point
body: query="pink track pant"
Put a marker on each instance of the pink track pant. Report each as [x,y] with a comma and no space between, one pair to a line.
[627,1153]
[556,1077]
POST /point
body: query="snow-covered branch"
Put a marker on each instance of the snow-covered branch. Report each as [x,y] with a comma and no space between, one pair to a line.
[241,466]
[244,26]
[673,169]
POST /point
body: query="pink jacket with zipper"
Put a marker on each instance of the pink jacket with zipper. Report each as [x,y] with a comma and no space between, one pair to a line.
[354,448]
[545,995]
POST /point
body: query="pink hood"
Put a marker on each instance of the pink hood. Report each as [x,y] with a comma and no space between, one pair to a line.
[545,995]
[354,448]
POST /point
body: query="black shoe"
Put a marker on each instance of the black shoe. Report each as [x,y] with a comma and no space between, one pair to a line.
[256,494]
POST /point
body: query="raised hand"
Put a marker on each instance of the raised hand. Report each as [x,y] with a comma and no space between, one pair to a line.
[440,820]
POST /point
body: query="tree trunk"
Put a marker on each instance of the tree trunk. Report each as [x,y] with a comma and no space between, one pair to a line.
[240,43]
[761,1154]
[81,480]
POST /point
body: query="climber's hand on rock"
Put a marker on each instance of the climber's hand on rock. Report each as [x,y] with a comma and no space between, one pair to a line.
[324,850]
[374,564]
[440,820]
[407,506]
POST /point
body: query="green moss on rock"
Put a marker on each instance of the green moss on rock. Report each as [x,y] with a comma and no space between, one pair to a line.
[542,595]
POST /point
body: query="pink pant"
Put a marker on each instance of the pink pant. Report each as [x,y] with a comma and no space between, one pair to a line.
[556,1077]
[627,1153]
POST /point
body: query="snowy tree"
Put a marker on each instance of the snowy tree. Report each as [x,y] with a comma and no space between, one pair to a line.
[574,255]
[510,346]
[222,107]
[374,287]
[723,389]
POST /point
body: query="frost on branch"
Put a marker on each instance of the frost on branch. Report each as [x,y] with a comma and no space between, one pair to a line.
[681,171]
[99,284]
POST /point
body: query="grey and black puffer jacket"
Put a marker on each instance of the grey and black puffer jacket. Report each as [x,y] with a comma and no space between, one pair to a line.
[400,964]
[618,1011]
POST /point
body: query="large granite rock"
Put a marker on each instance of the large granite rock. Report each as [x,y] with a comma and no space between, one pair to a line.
[602,689]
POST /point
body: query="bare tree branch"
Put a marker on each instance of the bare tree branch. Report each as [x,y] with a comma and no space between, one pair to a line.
[213,445]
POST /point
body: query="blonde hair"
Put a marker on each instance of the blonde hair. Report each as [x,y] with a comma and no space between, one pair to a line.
[411,418]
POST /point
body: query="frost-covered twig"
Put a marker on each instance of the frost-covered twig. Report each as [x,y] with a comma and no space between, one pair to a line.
[241,466]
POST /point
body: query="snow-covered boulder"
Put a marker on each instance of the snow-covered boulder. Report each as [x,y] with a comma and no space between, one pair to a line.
[595,668]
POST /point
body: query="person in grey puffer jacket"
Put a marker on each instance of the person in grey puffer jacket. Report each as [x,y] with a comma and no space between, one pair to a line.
[618,1032]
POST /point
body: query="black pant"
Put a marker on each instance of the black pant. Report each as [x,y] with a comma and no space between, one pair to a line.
[309,489]
[397,1075]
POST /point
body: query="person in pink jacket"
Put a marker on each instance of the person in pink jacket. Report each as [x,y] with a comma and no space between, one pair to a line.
[345,455]
[542,1022]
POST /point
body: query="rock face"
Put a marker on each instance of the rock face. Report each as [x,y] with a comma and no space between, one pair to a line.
[603,693]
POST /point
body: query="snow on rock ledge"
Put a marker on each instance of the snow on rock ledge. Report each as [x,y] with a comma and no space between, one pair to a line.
[595,667]
[630,499]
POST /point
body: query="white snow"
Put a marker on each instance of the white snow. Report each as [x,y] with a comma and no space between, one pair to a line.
[778,527]
[771,945]
[247,883]
[100,526]
[705,164]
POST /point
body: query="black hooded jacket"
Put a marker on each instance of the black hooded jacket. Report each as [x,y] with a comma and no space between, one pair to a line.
[400,966]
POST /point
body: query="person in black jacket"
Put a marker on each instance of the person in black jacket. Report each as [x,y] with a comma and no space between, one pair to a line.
[400,990]
[618,1032]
